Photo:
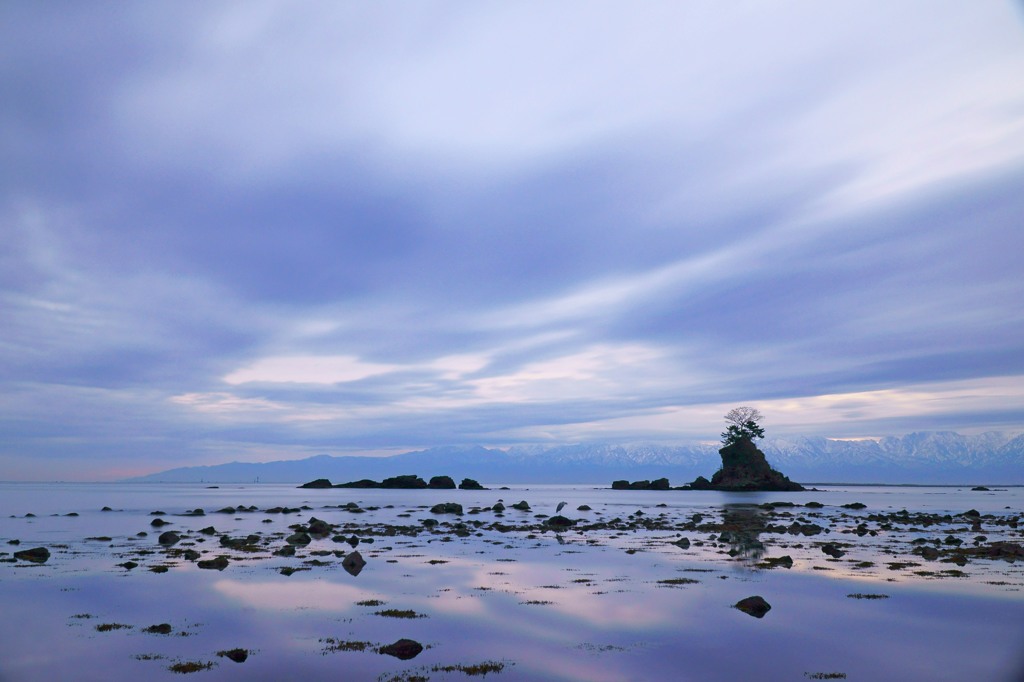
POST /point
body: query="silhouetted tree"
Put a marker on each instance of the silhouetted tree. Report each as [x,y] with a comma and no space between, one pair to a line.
[743,423]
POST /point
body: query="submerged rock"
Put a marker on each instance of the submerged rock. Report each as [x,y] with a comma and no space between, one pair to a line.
[755,606]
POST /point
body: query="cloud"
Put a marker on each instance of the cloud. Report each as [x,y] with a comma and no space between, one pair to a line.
[236,229]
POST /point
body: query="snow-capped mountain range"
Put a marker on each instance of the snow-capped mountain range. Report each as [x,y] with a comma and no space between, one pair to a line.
[941,457]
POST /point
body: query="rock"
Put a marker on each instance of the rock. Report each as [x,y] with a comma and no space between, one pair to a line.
[559,522]
[755,606]
[832,550]
[318,483]
[161,629]
[441,483]
[236,655]
[521,506]
[498,507]
[854,505]
[36,555]
[583,507]
[682,543]
[620,485]
[785,561]
[470,484]
[980,488]
[158,522]
[659,484]
[405,482]
[446,508]
[299,538]
[403,649]
[218,564]
[744,468]
[361,483]
[929,553]
[353,563]
[318,526]
[287,550]
[168,538]
[128,565]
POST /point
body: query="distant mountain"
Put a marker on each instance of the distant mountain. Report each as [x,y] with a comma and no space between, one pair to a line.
[926,457]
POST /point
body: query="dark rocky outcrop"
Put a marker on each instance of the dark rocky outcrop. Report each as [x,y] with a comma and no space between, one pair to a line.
[441,483]
[744,468]
[656,484]
[318,483]
[470,484]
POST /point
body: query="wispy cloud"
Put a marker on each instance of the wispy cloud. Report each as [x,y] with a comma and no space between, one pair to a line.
[231,230]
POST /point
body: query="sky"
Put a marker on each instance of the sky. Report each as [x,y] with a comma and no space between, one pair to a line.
[264,230]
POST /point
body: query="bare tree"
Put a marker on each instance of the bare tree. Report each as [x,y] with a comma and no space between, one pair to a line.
[743,423]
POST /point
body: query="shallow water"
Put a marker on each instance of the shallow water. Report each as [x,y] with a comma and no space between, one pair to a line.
[574,605]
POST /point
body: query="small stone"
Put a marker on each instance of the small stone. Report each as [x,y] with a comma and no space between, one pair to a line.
[403,649]
[236,655]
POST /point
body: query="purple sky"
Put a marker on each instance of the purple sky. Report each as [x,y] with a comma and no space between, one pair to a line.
[261,230]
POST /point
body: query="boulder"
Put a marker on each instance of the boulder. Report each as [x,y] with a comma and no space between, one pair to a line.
[441,483]
[218,564]
[168,538]
[299,538]
[559,522]
[446,508]
[755,606]
[353,563]
[37,555]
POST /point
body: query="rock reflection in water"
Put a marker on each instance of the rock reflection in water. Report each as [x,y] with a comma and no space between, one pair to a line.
[742,525]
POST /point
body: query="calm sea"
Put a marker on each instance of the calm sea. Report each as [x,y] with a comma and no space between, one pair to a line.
[499,593]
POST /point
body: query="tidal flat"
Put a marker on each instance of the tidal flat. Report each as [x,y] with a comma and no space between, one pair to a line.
[270,582]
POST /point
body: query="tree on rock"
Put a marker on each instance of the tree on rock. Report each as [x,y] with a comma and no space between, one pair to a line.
[743,423]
